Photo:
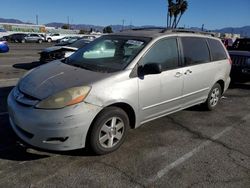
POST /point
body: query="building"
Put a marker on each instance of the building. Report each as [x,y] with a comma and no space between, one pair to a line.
[13,27]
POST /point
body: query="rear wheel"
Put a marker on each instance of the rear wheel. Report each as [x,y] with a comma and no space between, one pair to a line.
[23,41]
[40,41]
[109,130]
[49,40]
[213,97]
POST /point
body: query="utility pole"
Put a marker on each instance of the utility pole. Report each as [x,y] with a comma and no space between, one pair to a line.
[68,22]
[123,22]
[36,19]
[202,27]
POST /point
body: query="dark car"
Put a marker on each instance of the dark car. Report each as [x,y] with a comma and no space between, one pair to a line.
[17,37]
[59,52]
[66,41]
[240,71]
[242,44]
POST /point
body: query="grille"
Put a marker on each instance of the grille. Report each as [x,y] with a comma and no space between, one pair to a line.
[50,56]
[239,60]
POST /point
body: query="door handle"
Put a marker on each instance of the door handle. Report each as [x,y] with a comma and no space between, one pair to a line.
[188,71]
[178,74]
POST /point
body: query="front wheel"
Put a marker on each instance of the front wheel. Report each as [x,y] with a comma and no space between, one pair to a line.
[213,97]
[109,130]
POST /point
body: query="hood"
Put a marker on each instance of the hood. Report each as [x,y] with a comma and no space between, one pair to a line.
[55,48]
[56,76]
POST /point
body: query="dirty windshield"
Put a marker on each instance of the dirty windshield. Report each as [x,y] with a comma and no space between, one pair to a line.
[108,53]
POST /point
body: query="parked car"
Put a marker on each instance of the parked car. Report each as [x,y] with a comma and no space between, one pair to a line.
[66,41]
[4,47]
[117,82]
[54,37]
[17,37]
[33,37]
[242,44]
[240,71]
[59,52]
[3,32]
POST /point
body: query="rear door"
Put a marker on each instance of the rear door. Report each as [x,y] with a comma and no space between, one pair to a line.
[198,70]
[160,93]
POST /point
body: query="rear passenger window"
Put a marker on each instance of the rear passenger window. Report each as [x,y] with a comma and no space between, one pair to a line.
[195,50]
[164,52]
[217,50]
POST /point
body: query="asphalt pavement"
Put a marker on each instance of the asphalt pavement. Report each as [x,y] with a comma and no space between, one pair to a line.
[191,148]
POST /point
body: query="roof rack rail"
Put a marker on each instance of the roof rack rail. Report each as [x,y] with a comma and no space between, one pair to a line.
[159,29]
[169,30]
[187,31]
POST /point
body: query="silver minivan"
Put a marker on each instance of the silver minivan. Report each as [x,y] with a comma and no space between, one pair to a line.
[115,83]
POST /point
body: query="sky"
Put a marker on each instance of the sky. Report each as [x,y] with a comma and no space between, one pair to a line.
[214,14]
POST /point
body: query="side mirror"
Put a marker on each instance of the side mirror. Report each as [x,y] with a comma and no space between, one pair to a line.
[150,68]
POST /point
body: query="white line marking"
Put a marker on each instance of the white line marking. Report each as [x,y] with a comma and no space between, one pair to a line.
[3,113]
[188,155]
[6,65]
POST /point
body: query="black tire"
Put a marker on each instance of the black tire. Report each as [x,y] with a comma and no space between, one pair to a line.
[49,40]
[101,130]
[213,97]
[40,41]
[23,41]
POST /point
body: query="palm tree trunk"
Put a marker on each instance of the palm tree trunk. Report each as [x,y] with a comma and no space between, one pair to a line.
[173,25]
[168,20]
[178,20]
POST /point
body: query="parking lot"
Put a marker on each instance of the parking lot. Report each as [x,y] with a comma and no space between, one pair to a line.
[191,148]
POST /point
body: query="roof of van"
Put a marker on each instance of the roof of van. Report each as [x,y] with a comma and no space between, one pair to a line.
[156,32]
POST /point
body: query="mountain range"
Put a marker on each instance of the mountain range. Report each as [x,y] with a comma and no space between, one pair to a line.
[244,31]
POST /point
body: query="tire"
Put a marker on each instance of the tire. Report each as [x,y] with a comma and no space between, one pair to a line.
[213,97]
[40,41]
[23,41]
[49,40]
[109,130]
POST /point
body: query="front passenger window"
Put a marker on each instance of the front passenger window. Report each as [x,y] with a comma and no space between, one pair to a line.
[164,52]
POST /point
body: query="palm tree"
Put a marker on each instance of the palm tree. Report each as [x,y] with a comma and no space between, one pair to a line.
[176,12]
[175,9]
[183,5]
[170,12]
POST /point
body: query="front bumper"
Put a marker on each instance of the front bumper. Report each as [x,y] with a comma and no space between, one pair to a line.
[59,130]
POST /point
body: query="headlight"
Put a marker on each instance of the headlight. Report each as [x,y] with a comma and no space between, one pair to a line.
[65,98]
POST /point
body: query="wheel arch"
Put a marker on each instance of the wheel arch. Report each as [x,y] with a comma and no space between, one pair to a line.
[222,85]
[124,106]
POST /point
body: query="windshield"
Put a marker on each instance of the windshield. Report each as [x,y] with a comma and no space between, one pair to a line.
[108,53]
[77,43]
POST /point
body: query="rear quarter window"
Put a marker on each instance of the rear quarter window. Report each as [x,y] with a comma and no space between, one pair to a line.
[217,50]
[195,50]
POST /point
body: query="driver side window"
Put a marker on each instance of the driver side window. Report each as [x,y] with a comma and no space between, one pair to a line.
[164,52]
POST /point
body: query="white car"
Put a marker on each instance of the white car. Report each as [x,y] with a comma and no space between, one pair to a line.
[54,37]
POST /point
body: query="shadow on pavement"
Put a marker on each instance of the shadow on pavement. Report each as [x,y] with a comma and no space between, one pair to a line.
[4,92]
[245,86]
[28,66]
